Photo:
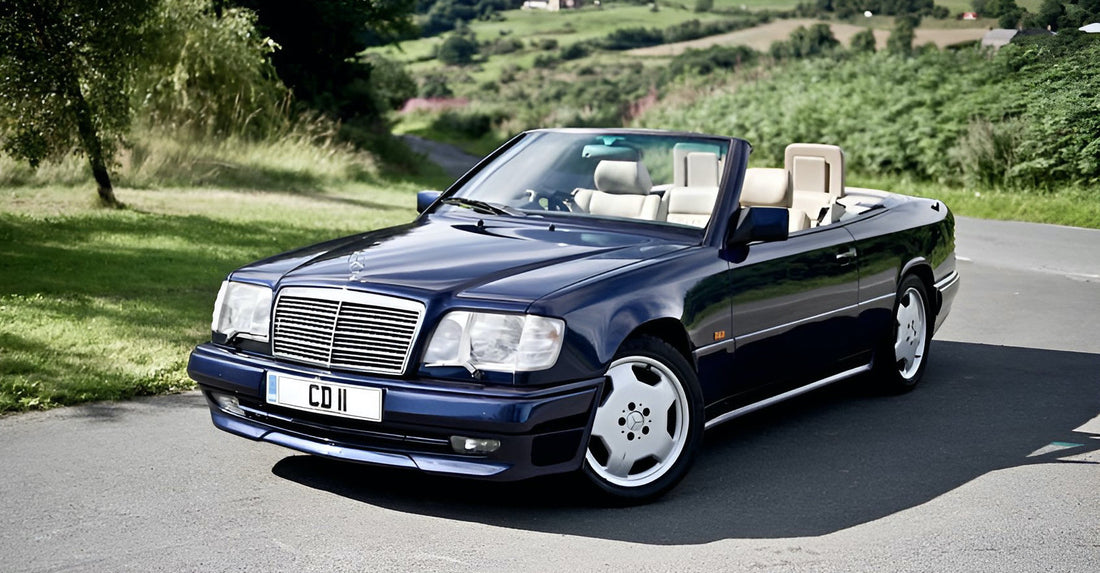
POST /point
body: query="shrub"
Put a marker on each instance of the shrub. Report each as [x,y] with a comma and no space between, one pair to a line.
[574,51]
[708,60]
[209,74]
[457,50]
[864,42]
[435,86]
[467,123]
[506,45]
[545,61]
[805,42]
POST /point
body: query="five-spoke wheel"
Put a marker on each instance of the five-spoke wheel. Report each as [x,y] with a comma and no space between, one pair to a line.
[648,424]
[903,355]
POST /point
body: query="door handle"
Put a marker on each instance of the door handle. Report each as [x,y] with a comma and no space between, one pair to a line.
[846,257]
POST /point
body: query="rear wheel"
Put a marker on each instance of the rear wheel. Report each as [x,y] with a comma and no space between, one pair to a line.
[903,355]
[649,424]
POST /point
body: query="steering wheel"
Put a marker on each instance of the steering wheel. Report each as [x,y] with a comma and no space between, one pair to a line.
[551,200]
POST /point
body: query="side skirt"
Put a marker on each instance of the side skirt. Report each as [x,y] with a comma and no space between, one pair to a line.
[784,396]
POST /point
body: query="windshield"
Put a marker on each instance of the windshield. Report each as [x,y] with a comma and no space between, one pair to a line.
[663,178]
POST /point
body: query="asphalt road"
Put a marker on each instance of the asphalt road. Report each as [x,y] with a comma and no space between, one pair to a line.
[993,464]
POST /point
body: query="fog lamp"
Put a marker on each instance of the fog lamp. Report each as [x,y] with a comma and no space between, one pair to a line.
[228,403]
[464,445]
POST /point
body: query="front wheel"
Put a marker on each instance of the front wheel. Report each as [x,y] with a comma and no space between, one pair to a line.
[903,355]
[648,425]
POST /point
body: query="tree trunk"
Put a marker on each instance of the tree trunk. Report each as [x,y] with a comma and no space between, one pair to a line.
[89,139]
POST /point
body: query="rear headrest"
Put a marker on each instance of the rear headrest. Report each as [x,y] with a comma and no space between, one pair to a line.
[702,169]
[766,187]
[623,178]
[810,174]
[816,167]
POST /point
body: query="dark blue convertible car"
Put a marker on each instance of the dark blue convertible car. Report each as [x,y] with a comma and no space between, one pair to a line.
[582,301]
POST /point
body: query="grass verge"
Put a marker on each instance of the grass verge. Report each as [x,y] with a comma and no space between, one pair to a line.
[102,304]
[1068,206]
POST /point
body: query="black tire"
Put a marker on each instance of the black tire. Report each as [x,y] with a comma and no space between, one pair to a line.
[626,461]
[902,355]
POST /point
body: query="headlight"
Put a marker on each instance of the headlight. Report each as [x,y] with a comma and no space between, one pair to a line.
[242,310]
[497,342]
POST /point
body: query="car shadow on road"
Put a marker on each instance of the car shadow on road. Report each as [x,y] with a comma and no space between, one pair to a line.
[821,463]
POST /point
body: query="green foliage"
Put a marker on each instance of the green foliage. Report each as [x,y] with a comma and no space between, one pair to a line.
[391,84]
[435,86]
[209,73]
[709,60]
[640,37]
[503,46]
[817,40]
[574,51]
[467,123]
[457,50]
[66,69]
[849,8]
[1025,120]
[863,42]
[901,37]
[318,56]
[704,5]
[1010,18]
[439,16]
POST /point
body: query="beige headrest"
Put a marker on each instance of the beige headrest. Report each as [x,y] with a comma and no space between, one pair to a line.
[702,169]
[816,167]
[623,178]
[810,174]
[766,187]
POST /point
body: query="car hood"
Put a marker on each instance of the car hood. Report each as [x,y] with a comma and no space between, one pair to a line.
[490,258]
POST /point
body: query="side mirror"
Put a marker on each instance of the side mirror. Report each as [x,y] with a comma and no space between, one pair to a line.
[424,199]
[759,224]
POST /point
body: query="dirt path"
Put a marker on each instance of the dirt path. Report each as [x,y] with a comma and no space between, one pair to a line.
[761,37]
[452,159]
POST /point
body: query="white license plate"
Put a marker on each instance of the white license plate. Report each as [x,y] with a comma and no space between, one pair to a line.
[325,397]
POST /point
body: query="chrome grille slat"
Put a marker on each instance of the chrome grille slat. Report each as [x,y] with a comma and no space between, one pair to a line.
[343,329]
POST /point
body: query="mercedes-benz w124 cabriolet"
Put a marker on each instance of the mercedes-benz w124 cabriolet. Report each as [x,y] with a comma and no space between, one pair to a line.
[582,301]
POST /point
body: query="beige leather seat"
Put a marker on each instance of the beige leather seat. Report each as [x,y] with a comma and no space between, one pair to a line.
[622,190]
[771,187]
[817,180]
[693,202]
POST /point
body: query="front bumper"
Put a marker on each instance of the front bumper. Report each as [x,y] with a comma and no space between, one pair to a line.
[947,288]
[541,430]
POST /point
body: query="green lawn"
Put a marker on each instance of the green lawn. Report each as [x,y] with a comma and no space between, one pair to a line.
[98,304]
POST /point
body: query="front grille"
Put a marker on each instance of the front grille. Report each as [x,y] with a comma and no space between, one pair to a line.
[345,330]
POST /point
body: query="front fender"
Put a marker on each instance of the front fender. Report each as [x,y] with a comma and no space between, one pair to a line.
[682,297]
